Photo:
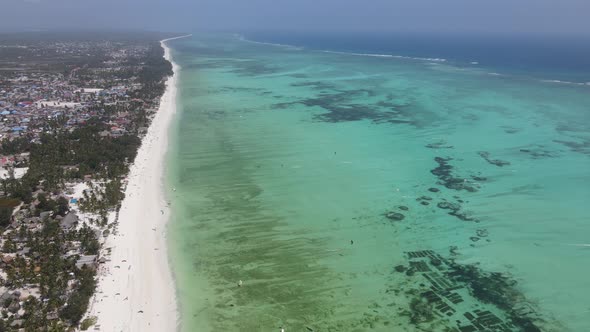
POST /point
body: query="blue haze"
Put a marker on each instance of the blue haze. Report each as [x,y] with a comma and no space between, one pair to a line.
[538,17]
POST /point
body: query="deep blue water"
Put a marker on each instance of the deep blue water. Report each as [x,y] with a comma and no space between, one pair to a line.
[555,58]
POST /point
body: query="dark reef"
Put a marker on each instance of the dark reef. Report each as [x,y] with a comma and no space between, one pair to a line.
[580,147]
[486,155]
[400,268]
[395,216]
[253,68]
[539,151]
[465,216]
[342,106]
[316,85]
[449,206]
[455,210]
[439,145]
[446,178]
[482,232]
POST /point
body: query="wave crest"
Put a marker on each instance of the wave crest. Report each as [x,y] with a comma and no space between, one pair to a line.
[566,82]
[291,47]
[433,61]
[387,56]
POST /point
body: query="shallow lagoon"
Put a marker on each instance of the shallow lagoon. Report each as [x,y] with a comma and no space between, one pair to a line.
[293,168]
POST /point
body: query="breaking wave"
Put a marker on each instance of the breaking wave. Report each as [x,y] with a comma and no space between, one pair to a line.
[393,56]
[292,47]
[566,82]
[387,56]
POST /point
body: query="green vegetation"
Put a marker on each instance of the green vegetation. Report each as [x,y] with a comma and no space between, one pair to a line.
[88,242]
[78,301]
[58,207]
[17,145]
[5,216]
[84,147]
[155,70]
[87,323]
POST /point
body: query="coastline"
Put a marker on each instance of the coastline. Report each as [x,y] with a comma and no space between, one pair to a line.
[136,289]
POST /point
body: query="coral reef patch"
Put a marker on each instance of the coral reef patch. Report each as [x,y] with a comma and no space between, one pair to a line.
[444,172]
[486,155]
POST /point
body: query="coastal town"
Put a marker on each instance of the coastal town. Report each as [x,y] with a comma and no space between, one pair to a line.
[73,112]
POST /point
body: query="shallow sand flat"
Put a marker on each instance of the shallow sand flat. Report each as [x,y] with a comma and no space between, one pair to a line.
[293,170]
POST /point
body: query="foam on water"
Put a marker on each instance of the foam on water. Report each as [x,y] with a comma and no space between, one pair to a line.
[289,47]
[455,64]
[387,56]
[565,82]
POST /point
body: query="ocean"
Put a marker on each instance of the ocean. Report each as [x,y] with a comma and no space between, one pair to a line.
[324,183]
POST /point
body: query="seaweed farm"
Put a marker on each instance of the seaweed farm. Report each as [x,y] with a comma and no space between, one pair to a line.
[473,299]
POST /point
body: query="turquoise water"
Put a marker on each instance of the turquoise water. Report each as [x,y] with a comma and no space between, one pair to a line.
[354,193]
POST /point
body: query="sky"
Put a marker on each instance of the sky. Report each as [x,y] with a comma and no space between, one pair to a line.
[539,17]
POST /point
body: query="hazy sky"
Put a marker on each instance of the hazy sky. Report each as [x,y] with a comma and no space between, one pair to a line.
[464,16]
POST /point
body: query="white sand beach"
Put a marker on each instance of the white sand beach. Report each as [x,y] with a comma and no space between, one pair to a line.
[136,290]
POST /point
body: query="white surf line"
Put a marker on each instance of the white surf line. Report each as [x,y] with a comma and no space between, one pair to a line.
[173,38]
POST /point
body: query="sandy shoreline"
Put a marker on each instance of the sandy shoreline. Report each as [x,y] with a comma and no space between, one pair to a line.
[136,289]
